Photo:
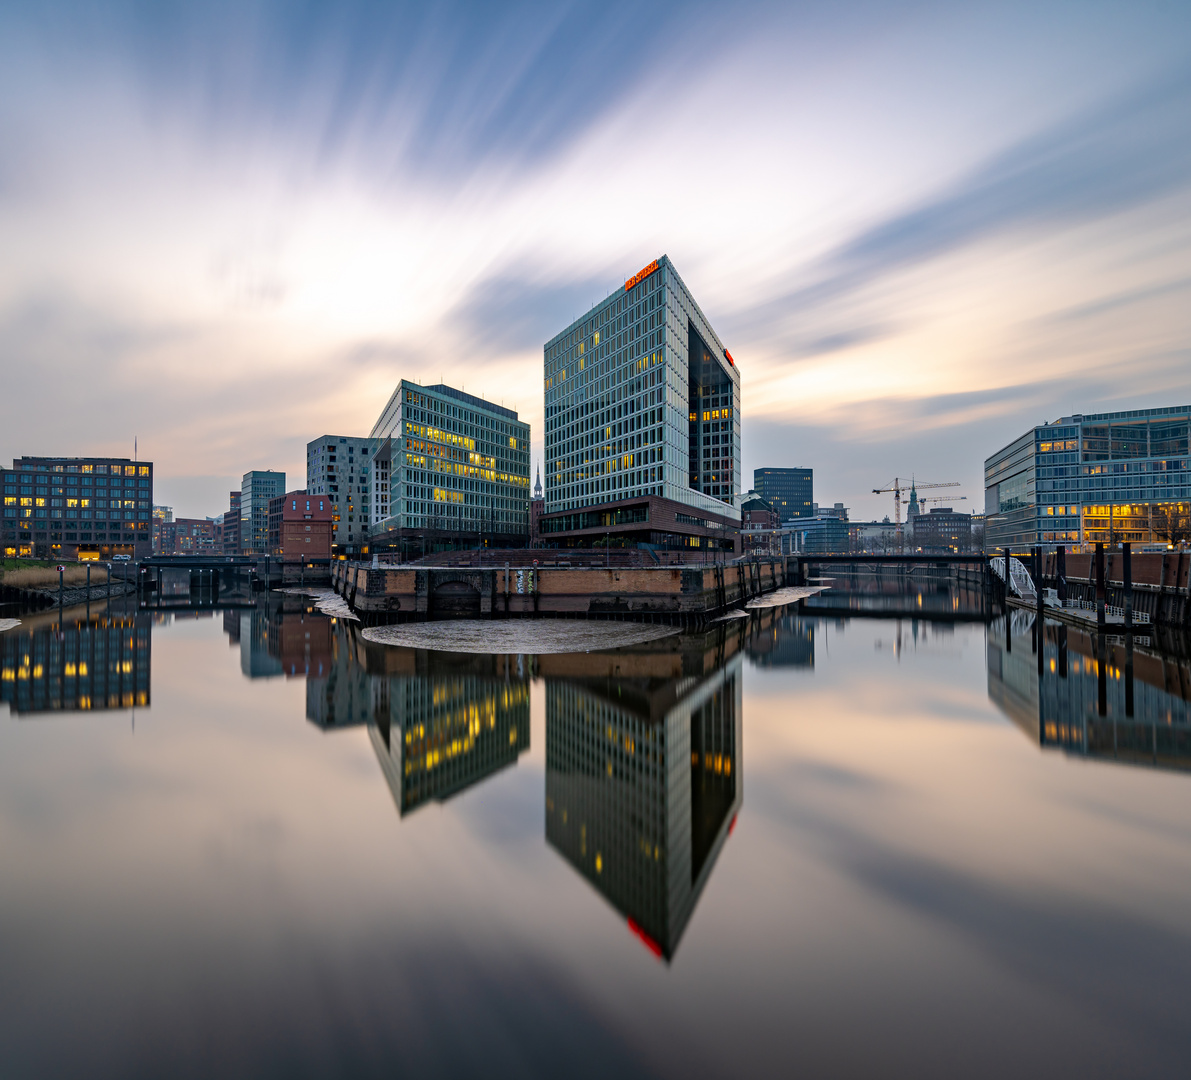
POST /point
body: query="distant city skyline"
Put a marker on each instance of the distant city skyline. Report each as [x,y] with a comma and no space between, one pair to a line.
[920,230]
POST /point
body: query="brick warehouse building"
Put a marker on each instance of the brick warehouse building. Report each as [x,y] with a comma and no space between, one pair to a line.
[77,508]
[301,526]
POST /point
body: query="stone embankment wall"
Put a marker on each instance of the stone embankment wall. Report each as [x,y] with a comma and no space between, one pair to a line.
[681,594]
[43,598]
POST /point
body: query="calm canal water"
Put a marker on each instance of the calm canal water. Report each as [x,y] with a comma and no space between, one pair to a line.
[249,843]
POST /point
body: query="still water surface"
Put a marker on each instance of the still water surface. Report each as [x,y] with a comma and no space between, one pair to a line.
[834,847]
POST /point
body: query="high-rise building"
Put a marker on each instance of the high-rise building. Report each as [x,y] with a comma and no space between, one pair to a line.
[1091,478]
[450,471]
[85,507]
[642,423]
[338,466]
[256,489]
[232,535]
[789,491]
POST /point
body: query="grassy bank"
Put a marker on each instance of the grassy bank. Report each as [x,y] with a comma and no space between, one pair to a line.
[45,576]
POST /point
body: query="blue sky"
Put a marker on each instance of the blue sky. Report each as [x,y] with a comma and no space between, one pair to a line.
[920,228]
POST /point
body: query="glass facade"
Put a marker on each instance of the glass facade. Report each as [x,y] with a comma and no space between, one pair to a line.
[642,399]
[1096,478]
[451,466]
[256,489]
[789,491]
[71,507]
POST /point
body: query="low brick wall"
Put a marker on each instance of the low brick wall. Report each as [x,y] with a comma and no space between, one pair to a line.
[1161,582]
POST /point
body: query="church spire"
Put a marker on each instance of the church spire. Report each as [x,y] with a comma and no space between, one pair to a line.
[537,488]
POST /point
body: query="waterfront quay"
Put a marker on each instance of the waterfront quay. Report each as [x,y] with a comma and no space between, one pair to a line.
[684,594]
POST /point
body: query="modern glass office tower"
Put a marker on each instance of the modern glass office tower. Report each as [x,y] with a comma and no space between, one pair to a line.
[85,508]
[256,489]
[1086,479]
[642,423]
[450,471]
[791,492]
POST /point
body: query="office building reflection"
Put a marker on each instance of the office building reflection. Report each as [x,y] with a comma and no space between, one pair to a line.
[438,734]
[781,640]
[339,690]
[1109,697]
[643,779]
[86,662]
[280,635]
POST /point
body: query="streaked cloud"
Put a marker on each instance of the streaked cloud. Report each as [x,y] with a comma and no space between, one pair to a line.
[229,229]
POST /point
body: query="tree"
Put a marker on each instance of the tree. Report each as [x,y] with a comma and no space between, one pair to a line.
[1171,522]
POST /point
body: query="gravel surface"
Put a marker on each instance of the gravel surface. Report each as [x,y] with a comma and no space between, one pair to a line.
[538,636]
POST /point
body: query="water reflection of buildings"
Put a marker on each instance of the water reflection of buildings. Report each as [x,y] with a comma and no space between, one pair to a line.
[435,735]
[910,590]
[1092,696]
[83,662]
[281,635]
[643,779]
[781,640]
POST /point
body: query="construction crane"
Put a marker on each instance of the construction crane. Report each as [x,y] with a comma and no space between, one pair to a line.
[898,486]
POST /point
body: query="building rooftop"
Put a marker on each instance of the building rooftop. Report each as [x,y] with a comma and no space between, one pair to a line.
[471,399]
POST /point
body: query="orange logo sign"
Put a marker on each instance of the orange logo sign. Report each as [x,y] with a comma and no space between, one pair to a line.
[641,275]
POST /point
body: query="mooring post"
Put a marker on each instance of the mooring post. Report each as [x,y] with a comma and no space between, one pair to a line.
[1127,581]
[1100,615]
[1061,574]
[61,571]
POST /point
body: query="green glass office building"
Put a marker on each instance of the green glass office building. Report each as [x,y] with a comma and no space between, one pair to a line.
[450,471]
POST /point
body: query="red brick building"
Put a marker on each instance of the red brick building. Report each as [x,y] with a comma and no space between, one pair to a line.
[758,524]
[192,536]
[300,526]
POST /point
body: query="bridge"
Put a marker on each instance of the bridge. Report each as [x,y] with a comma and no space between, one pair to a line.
[939,586]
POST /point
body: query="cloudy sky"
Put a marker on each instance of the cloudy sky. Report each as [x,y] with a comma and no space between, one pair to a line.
[227,229]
